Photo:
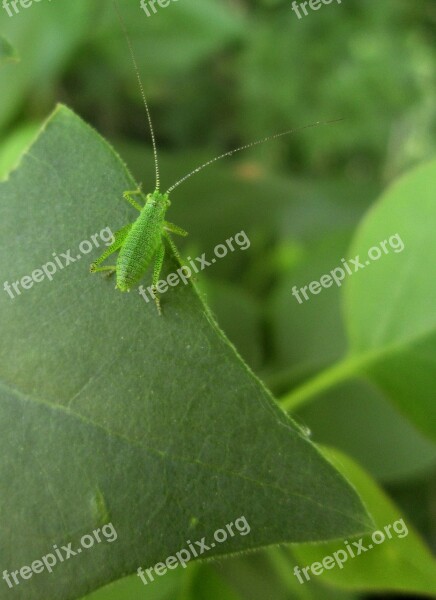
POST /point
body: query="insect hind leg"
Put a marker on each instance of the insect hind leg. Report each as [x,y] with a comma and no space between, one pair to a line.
[119,238]
[174,249]
[172,246]
[158,263]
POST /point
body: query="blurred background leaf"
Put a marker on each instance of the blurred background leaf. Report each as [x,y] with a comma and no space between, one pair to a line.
[401,562]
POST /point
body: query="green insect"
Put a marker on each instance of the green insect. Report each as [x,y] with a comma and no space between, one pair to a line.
[142,242]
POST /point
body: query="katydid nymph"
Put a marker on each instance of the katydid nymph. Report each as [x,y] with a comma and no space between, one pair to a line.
[142,242]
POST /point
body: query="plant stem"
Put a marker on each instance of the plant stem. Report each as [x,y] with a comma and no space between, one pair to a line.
[324,381]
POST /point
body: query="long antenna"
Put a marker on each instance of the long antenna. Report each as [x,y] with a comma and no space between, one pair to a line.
[141,87]
[267,139]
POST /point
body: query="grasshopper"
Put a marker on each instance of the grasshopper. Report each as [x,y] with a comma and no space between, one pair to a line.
[142,242]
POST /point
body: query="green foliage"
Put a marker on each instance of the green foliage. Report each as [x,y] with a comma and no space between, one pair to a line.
[396,345]
[401,563]
[389,307]
[355,364]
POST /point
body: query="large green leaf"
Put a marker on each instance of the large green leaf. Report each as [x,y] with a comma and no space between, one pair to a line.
[400,563]
[110,412]
[390,306]
[389,303]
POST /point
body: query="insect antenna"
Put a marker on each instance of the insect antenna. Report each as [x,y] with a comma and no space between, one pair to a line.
[246,146]
[141,87]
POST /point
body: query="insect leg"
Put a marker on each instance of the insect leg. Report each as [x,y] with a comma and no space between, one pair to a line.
[158,262]
[172,246]
[175,229]
[128,196]
[119,238]
[111,270]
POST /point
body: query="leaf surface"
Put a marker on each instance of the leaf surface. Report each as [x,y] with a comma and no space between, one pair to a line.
[112,413]
[390,305]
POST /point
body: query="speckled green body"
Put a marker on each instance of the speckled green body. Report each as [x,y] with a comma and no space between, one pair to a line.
[141,243]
